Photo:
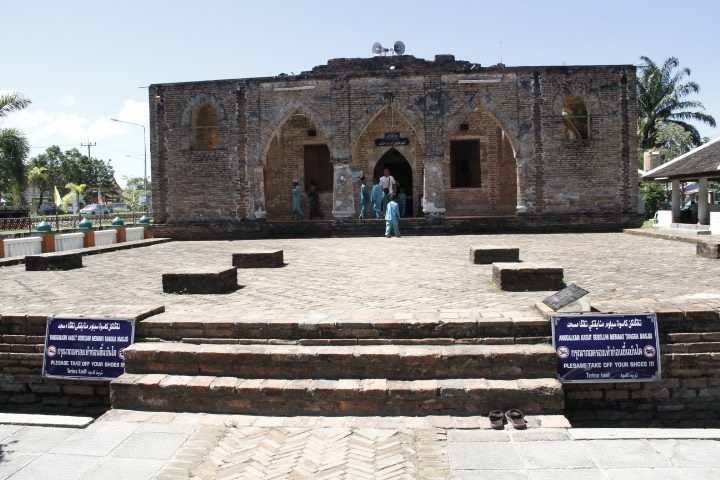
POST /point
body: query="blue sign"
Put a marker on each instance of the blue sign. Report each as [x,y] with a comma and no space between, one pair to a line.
[86,348]
[606,348]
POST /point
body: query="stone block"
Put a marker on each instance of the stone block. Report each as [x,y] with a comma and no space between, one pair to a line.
[708,249]
[258,259]
[527,277]
[202,282]
[491,254]
[53,261]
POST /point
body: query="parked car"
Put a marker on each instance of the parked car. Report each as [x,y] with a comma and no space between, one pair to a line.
[119,208]
[94,209]
[49,209]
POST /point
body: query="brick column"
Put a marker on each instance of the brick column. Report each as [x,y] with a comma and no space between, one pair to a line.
[48,242]
[2,248]
[433,202]
[146,232]
[89,240]
[121,234]
[343,195]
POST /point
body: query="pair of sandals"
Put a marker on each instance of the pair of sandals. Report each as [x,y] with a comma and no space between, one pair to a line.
[513,416]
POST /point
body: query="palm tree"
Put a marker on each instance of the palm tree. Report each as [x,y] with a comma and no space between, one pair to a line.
[77,189]
[661,97]
[38,177]
[14,148]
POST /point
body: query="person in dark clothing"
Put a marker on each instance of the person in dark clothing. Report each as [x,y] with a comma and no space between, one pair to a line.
[314,200]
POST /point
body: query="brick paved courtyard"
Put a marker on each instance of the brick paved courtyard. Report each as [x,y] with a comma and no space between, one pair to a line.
[371,274]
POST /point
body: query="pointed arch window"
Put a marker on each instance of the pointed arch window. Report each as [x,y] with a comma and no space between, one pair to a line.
[205,131]
[576,118]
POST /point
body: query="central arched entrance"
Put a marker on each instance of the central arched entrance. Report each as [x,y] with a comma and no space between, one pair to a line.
[401,170]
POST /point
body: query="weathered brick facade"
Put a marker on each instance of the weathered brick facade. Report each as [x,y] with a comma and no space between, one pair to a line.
[237,162]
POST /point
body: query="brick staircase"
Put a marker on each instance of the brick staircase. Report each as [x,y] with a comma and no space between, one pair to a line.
[467,366]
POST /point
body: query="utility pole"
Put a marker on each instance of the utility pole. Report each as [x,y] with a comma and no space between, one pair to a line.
[88,145]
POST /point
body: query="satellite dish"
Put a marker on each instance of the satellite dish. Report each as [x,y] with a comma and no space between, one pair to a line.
[399,48]
[377,49]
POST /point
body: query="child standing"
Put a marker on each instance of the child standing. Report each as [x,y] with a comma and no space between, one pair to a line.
[392,218]
[376,197]
[297,212]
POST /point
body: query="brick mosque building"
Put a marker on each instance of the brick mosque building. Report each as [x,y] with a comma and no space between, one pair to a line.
[490,148]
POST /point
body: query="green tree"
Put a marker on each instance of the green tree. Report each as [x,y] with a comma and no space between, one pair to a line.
[14,148]
[662,99]
[655,196]
[77,189]
[38,177]
[133,191]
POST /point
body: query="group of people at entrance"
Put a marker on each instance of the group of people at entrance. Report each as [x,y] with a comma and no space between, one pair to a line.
[313,200]
[386,199]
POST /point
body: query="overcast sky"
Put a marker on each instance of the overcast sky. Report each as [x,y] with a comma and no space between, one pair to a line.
[84,62]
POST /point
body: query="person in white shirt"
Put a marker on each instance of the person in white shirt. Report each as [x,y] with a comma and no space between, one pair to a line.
[387,181]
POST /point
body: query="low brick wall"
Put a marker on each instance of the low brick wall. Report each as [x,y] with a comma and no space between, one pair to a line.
[688,394]
[22,387]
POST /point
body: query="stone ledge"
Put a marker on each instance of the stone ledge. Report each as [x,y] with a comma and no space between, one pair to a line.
[68,260]
[527,277]
[375,396]
[258,259]
[407,362]
[708,249]
[492,254]
[208,281]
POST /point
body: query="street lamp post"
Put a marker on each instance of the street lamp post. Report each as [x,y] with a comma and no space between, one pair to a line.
[144,156]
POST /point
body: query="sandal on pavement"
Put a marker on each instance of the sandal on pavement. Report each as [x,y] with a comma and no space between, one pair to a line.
[497,419]
[516,418]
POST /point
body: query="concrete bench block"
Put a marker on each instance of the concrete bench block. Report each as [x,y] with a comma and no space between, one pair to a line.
[527,277]
[490,254]
[201,282]
[708,249]
[53,261]
[258,259]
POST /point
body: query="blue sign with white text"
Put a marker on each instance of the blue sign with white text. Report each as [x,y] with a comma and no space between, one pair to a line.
[86,348]
[606,347]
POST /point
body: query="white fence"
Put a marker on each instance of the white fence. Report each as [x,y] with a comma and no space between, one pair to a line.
[133,234]
[105,237]
[19,247]
[69,241]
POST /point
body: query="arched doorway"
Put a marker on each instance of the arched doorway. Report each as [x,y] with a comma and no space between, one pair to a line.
[401,170]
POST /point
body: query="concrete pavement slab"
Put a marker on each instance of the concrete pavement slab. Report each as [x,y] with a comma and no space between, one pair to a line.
[643,433]
[643,474]
[91,442]
[701,473]
[7,430]
[57,467]
[490,475]
[567,474]
[36,439]
[696,453]
[150,445]
[558,454]
[11,462]
[123,469]
[484,456]
[625,454]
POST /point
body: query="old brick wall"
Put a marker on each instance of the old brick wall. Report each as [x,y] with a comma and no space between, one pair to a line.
[22,387]
[688,394]
[352,102]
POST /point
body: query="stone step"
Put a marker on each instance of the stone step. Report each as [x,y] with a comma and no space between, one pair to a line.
[377,396]
[394,362]
[433,325]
